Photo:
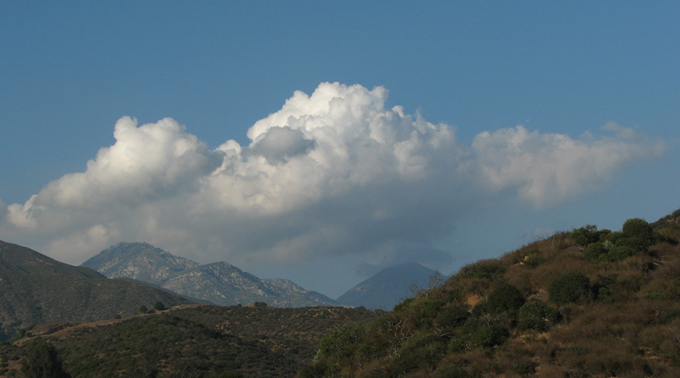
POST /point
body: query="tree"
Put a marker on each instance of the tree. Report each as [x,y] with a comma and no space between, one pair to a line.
[42,361]
[159,306]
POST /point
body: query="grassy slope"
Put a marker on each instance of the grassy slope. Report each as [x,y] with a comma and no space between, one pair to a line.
[626,322]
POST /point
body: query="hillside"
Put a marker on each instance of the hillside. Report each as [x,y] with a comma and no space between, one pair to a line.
[388,287]
[220,283]
[36,289]
[191,341]
[585,303]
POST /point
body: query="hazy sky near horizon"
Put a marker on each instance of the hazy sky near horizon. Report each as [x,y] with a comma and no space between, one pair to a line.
[323,141]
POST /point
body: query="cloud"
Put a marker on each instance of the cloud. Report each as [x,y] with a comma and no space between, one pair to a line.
[547,169]
[331,173]
[281,143]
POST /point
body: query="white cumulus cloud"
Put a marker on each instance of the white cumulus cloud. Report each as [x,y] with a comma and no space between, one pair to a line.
[331,173]
[546,169]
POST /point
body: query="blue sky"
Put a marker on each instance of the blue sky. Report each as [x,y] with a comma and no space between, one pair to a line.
[515,120]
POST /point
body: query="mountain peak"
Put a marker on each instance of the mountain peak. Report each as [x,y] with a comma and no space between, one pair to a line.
[389,286]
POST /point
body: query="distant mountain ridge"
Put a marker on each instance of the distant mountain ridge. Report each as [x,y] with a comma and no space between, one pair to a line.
[388,287]
[36,289]
[139,261]
[220,282]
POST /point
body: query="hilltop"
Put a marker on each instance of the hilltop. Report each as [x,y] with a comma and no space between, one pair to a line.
[586,303]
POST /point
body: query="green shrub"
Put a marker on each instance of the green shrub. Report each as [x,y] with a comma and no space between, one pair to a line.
[569,288]
[601,289]
[504,298]
[489,269]
[638,228]
[457,344]
[620,252]
[342,343]
[452,316]
[586,235]
[404,305]
[594,251]
[534,261]
[637,234]
[537,315]
[491,336]
[418,352]
[429,307]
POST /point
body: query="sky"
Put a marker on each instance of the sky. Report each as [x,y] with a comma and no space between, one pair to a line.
[324,141]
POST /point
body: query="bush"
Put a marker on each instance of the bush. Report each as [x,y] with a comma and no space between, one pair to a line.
[489,337]
[404,305]
[569,288]
[534,261]
[638,228]
[488,269]
[594,251]
[504,298]
[342,343]
[420,352]
[429,307]
[620,252]
[452,316]
[601,289]
[637,234]
[537,315]
[586,235]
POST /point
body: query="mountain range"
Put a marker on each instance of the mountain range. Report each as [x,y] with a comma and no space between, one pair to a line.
[36,289]
[220,283]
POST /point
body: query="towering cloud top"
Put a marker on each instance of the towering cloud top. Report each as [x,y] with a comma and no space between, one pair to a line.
[334,172]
